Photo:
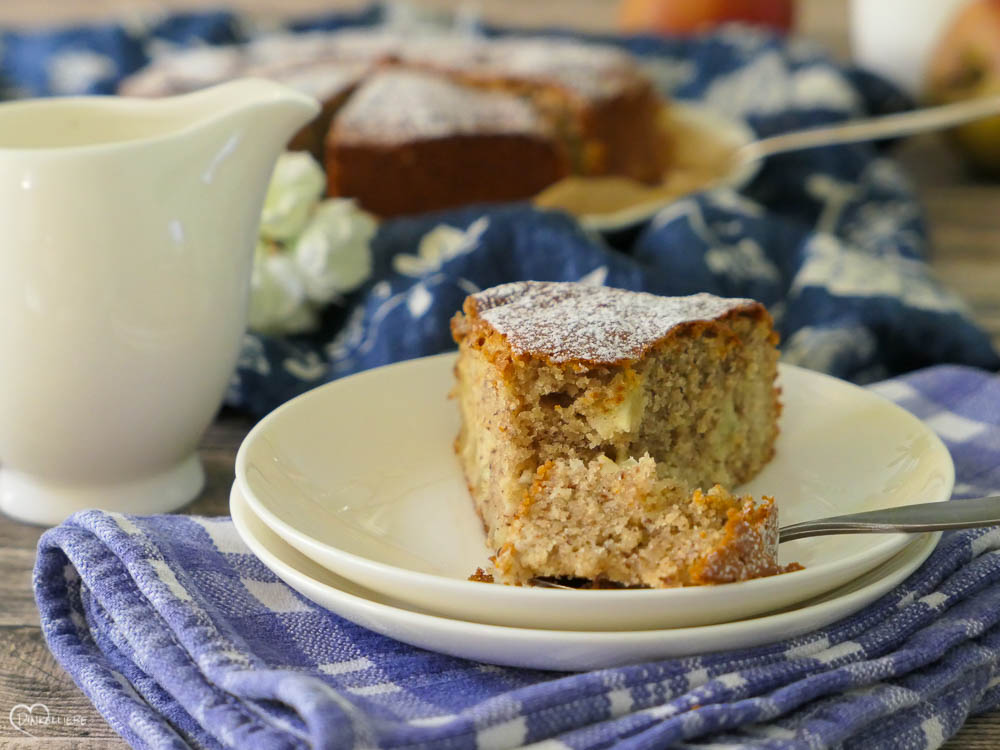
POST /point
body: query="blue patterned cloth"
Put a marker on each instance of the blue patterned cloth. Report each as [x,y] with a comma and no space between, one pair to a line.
[831,239]
[182,638]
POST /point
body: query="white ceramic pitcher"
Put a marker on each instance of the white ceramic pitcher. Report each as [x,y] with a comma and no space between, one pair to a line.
[127,230]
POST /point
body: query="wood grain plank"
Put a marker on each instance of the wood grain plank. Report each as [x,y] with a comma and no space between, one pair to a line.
[15,589]
[28,675]
[978,733]
[15,535]
[595,15]
[62,743]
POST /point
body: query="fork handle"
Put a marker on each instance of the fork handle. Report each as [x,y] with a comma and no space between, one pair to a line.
[874,128]
[957,514]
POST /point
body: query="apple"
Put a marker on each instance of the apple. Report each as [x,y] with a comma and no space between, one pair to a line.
[688,16]
[965,64]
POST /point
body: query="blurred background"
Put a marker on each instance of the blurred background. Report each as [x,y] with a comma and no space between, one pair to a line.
[594,15]
[936,51]
[956,186]
[960,206]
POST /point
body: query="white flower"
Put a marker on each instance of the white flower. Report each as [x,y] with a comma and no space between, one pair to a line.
[296,185]
[333,254]
[277,295]
[309,252]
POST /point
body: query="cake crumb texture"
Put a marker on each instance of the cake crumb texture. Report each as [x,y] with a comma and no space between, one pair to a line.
[605,521]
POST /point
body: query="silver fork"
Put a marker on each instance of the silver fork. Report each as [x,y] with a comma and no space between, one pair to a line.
[908,519]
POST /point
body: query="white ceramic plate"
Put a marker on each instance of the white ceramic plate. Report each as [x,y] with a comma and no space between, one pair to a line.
[360,475]
[555,649]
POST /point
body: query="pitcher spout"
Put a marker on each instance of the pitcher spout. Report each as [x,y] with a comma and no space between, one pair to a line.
[268,111]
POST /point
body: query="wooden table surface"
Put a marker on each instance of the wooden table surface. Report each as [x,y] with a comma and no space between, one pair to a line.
[964,219]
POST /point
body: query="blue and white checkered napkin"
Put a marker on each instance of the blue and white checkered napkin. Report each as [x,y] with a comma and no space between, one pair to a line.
[181,638]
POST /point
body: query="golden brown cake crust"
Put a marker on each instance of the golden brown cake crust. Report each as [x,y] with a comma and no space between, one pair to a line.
[748,544]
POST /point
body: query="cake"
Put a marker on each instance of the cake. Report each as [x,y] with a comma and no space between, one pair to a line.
[603,109]
[592,111]
[408,141]
[600,428]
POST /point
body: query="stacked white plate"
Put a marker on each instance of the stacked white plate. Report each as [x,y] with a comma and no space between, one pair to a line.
[352,494]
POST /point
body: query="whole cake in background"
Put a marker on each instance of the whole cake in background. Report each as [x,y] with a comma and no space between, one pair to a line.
[593,419]
[481,119]
[407,141]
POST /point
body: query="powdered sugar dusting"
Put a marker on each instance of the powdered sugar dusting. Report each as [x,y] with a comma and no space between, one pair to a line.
[398,105]
[323,80]
[593,71]
[567,321]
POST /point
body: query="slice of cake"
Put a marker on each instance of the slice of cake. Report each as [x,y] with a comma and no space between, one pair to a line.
[408,142]
[590,417]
